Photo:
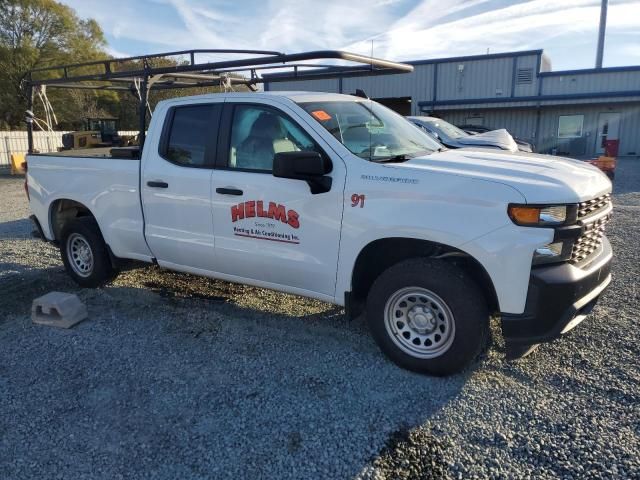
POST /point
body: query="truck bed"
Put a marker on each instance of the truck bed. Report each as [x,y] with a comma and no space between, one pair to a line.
[100,152]
[87,152]
[110,190]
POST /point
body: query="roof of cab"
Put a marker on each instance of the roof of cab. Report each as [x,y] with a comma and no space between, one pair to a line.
[298,97]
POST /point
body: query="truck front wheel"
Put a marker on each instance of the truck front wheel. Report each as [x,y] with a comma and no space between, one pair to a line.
[84,253]
[428,316]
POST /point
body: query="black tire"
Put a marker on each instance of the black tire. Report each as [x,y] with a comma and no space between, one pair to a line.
[85,229]
[458,302]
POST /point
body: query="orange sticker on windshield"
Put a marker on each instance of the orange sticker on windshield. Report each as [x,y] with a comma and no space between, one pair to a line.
[321,115]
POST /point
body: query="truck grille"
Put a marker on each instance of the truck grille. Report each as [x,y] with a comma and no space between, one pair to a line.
[593,230]
[594,206]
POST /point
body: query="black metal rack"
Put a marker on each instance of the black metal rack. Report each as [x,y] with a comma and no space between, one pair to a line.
[143,73]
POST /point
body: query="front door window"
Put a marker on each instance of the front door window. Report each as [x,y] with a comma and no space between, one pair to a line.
[258,133]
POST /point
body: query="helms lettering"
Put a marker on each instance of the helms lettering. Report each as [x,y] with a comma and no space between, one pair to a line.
[257,208]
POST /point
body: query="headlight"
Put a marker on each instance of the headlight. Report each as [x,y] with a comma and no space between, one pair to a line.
[541,215]
[553,252]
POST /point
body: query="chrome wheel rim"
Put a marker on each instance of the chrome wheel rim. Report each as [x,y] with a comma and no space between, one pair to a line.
[79,255]
[419,322]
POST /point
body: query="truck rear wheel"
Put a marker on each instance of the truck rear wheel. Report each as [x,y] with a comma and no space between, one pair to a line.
[428,316]
[84,253]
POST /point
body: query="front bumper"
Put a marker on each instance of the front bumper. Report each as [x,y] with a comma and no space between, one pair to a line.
[559,297]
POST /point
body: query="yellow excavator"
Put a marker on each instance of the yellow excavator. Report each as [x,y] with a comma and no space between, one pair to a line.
[98,132]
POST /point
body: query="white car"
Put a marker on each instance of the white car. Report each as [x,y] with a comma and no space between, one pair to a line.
[453,137]
[338,198]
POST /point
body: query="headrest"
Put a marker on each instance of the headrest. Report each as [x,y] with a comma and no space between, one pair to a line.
[267,125]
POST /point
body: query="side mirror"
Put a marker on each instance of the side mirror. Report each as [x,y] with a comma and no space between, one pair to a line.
[308,166]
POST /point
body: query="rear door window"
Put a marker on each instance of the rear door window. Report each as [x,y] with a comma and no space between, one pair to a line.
[191,133]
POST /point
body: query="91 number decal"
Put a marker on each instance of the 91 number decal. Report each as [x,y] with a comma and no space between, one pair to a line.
[357,200]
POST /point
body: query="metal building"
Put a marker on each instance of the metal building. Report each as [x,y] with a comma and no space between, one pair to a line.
[565,112]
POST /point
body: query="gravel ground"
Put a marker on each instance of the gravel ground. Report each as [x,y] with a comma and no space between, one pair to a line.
[175,376]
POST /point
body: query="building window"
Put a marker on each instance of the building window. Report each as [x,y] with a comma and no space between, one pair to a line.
[570,126]
[524,76]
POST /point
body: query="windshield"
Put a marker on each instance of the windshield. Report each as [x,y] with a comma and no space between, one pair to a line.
[370,130]
[102,125]
[445,129]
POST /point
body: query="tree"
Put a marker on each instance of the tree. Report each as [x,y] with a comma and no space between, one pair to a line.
[41,33]
[36,33]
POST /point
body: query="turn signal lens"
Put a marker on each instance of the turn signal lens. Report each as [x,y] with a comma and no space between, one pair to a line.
[538,216]
[524,215]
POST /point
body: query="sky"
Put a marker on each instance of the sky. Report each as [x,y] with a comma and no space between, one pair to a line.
[566,30]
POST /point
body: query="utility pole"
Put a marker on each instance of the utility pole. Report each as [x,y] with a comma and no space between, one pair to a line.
[601,33]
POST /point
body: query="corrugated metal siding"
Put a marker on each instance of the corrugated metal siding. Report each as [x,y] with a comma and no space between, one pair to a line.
[548,138]
[320,85]
[494,78]
[628,134]
[592,82]
[418,85]
[591,101]
[629,129]
[524,62]
[522,123]
[479,79]
[492,105]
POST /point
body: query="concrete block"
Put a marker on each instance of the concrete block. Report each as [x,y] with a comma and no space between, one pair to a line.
[57,309]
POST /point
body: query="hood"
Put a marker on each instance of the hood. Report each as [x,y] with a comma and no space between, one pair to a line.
[495,138]
[539,178]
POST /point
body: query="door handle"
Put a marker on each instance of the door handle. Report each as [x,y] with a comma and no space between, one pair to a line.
[158,184]
[229,191]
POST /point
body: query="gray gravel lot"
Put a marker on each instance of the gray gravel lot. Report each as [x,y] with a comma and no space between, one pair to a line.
[175,376]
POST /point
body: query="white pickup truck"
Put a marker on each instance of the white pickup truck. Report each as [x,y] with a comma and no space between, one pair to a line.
[338,198]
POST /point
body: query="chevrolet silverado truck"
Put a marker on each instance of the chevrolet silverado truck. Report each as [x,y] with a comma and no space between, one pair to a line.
[338,198]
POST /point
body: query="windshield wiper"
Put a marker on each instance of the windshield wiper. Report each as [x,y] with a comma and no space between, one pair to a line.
[403,157]
[393,159]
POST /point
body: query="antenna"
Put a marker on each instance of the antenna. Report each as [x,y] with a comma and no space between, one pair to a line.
[370,111]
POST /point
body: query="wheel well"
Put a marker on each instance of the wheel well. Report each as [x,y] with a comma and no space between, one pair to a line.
[381,254]
[62,211]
